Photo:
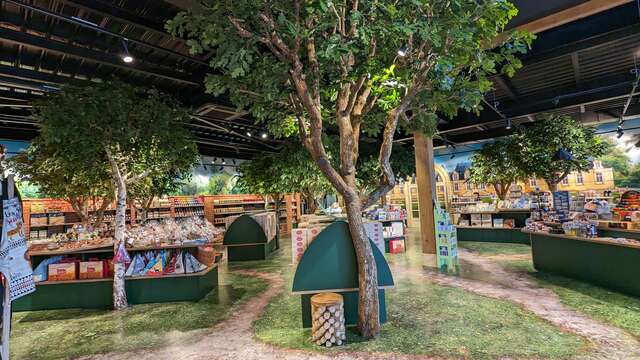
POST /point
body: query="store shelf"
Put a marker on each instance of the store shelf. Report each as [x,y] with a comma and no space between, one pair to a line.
[79,281]
[485,227]
[84,250]
[169,276]
[188,206]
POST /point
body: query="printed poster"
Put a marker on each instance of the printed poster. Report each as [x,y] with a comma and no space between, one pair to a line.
[13,247]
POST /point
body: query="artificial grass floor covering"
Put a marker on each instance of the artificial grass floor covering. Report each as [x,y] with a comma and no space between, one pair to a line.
[62,334]
[607,306]
[428,319]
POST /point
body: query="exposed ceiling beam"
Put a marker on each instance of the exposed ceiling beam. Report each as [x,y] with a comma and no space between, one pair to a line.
[575,64]
[571,14]
[104,58]
[119,14]
[98,29]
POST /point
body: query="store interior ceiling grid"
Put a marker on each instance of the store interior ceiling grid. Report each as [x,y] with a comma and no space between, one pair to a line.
[584,68]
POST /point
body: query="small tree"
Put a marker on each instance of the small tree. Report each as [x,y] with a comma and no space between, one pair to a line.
[133,133]
[88,191]
[289,170]
[540,147]
[357,67]
[157,185]
[496,164]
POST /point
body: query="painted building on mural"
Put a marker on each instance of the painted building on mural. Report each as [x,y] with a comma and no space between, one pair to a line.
[598,178]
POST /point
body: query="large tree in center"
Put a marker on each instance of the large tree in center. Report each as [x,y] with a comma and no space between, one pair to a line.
[126,132]
[354,66]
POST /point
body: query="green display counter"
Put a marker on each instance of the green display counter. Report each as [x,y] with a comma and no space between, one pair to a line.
[619,233]
[490,234]
[329,265]
[598,261]
[98,294]
[245,240]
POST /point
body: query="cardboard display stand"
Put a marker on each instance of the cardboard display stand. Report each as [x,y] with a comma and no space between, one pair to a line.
[329,265]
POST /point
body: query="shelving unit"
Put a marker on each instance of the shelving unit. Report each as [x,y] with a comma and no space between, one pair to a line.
[97,293]
[486,232]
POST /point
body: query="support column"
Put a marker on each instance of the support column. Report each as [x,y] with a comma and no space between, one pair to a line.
[425,179]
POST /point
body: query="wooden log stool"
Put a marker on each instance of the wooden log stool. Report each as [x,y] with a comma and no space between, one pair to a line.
[327,314]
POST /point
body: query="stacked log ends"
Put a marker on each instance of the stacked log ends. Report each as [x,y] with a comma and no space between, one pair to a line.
[327,324]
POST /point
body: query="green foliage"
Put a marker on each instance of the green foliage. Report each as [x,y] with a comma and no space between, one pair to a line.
[497,164]
[290,170]
[256,46]
[617,158]
[143,129]
[538,144]
[222,183]
[157,185]
[402,161]
[30,191]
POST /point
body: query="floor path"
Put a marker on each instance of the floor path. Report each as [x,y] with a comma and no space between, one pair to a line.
[233,338]
[611,342]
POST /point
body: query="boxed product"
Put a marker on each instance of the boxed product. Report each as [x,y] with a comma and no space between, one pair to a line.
[62,271]
[206,255]
[476,219]
[509,223]
[299,241]
[396,246]
[92,269]
[56,218]
[38,219]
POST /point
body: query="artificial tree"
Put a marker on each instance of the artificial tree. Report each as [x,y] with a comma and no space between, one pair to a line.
[355,67]
[555,146]
[128,132]
[497,164]
[89,191]
[155,185]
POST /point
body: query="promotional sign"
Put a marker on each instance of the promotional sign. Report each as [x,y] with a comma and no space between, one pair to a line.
[374,232]
[12,251]
[446,241]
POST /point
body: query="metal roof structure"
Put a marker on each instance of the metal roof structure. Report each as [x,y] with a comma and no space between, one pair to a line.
[583,63]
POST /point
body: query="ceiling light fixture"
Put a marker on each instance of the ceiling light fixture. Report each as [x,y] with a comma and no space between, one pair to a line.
[248,134]
[452,156]
[403,50]
[264,135]
[224,162]
[508,127]
[126,57]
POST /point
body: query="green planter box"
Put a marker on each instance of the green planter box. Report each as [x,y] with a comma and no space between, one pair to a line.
[613,266]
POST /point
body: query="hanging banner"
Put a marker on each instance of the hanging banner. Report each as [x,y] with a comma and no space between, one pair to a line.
[12,251]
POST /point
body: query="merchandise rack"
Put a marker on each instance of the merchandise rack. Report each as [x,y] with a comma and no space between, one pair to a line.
[467,232]
[97,293]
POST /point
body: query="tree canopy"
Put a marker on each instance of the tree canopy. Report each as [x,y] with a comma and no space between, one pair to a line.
[539,146]
[359,66]
[497,164]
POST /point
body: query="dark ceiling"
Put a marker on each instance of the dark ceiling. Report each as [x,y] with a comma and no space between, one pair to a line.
[584,68]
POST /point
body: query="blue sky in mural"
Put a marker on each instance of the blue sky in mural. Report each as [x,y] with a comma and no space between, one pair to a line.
[463,152]
[14,147]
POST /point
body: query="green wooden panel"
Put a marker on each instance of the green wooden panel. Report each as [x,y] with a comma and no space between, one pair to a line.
[350,308]
[244,230]
[330,262]
[618,234]
[98,295]
[247,252]
[90,295]
[492,235]
[610,266]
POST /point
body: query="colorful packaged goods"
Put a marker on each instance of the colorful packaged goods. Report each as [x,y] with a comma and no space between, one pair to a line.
[92,269]
[63,271]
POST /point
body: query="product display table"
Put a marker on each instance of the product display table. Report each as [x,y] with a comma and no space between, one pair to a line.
[98,293]
[603,262]
[489,233]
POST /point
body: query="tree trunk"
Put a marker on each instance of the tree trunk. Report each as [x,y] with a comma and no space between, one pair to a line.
[119,294]
[553,186]
[276,207]
[368,305]
[312,206]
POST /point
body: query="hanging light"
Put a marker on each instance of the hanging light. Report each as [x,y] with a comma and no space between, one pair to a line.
[126,57]
[248,133]
[508,127]
[224,162]
[562,155]
[264,135]
[403,50]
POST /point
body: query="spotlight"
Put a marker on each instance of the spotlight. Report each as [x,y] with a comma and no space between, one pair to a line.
[221,168]
[403,50]
[620,131]
[233,161]
[224,162]
[214,160]
[264,135]
[126,57]
[452,156]
[508,127]
[248,134]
